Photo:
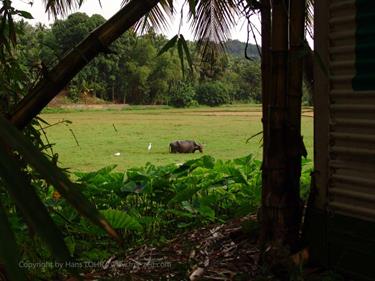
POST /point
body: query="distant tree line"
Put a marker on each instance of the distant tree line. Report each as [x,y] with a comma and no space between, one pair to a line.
[134,73]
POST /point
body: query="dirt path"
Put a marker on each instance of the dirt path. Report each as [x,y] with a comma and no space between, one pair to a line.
[103,106]
[220,111]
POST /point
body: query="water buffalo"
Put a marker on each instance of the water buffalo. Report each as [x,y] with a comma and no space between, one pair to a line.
[186,146]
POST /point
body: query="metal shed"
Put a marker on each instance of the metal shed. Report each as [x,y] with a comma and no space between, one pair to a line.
[341,220]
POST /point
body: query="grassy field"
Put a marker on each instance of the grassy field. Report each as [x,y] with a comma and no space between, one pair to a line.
[223,131]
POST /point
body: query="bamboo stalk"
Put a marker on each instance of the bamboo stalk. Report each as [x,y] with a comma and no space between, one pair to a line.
[266,92]
[265,67]
[295,147]
[96,42]
[281,207]
[274,188]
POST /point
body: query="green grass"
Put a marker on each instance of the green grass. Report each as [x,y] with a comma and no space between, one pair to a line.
[223,131]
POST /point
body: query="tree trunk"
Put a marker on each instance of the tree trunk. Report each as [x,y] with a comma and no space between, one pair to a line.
[97,41]
[295,148]
[283,146]
[266,66]
[277,202]
[266,91]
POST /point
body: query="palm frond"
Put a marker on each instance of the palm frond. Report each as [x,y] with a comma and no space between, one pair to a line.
[211,23]
[61,7]
[157,18]
[309,21]
[248,10]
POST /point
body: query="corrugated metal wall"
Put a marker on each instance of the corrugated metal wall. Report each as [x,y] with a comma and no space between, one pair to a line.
[351,159]
[340,224]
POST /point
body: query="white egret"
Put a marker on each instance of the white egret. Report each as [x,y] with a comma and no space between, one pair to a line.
[149,147]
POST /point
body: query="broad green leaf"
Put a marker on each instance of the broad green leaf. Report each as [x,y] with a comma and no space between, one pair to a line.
[88,177]
[184,225]
[187,206]
[208,161]
[206,211]
[52,174]
[238,175]
[25,14]
[8,249]
[121,220]
[168,45]
[180,213]
[129,187]
[71,244]
[185,194]
[30,205]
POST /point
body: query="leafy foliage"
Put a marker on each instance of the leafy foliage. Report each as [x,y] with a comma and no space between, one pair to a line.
[139,70]
[185,195]
[237,48]
[183,95]
[244,81]
[146,204]
[213,94]
[152,203]
[305,180]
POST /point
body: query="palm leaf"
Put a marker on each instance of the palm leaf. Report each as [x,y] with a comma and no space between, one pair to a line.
[192,6]
[170,44]
[52,174]
[61,7]
[212,22]
[157,18]
[181,47]
[187,52]
[309,20]
[181,55]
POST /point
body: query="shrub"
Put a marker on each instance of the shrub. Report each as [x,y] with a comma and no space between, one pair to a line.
[183,95]
[307,98]
[213,94]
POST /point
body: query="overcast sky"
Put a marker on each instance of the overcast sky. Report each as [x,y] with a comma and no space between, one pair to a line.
[109,8]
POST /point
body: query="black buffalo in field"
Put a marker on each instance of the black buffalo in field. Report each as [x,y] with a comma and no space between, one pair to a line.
[186,146]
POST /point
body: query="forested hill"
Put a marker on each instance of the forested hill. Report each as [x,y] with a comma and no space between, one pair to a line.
[134,73]
[237,48]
